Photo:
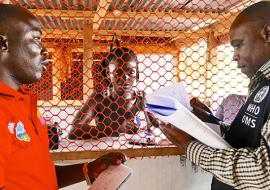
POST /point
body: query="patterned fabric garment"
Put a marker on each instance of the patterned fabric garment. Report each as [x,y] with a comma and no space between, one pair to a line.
[244,168]
[229,107]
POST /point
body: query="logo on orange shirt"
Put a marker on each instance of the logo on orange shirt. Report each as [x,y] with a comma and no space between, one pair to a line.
[11,127]
[21,133]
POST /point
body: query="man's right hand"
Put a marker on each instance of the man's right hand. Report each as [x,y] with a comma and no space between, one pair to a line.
[197,104]
[202,111]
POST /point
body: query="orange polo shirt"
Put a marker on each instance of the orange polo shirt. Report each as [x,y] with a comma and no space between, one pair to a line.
[25,162]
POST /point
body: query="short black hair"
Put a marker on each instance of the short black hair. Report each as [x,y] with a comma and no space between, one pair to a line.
[122,54]
[258,13]
[10,13]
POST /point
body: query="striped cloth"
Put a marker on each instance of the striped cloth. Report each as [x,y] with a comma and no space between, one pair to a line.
[245,168]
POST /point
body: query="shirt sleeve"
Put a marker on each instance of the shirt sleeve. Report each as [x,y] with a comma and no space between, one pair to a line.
[241,168]
[5,148]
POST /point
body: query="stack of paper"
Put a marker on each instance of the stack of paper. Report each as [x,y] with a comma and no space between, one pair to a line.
[112,178]
[166,106]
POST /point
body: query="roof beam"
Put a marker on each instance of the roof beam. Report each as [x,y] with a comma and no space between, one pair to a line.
[78,34]
[63,13]
[222,25]
[98,16]
[105,47]
[166,15]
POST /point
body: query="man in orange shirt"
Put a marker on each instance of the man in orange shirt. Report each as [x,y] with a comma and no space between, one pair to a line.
[25,162]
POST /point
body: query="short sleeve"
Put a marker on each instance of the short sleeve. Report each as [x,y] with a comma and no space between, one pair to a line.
[5,146]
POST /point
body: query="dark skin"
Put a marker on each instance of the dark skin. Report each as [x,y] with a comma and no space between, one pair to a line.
[68,175]
[22,61]
[251,45]
[121,121]
[201,111]
[113,113]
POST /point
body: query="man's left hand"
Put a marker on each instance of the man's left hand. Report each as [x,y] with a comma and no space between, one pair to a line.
[176,136]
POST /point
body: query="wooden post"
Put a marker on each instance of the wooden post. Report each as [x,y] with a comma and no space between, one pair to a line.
[88,61]
[176,73]
[211,60]
[57,73]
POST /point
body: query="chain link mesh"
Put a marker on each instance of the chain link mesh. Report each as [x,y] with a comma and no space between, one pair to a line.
[173,40]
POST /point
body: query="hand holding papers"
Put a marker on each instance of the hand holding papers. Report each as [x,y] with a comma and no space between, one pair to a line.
[167,106]
[112,178]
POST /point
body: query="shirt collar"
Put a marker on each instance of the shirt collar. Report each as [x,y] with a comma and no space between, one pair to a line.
[8,91]
[263,71]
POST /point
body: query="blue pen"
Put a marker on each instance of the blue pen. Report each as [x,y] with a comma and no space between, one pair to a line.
[213,118]
[160,109]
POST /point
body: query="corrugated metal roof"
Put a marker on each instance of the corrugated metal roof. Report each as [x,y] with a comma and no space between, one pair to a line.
[125,17]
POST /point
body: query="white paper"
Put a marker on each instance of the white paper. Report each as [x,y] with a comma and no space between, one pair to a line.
[112,178]
[176,91]
[182,118]
[214,127]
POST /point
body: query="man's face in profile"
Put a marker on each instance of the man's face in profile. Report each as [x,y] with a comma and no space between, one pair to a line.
[248,47]
[26,55]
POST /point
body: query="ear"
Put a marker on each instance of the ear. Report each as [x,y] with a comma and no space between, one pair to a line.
[3,43]
[266,33]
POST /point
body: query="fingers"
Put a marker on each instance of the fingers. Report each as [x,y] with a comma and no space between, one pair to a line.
[115,157]
[197,104]
[193,101]
[118,156]
[163,123]
[103,162]
[175,135]
[169,131]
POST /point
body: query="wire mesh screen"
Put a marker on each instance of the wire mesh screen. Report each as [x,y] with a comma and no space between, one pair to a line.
[106,55]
